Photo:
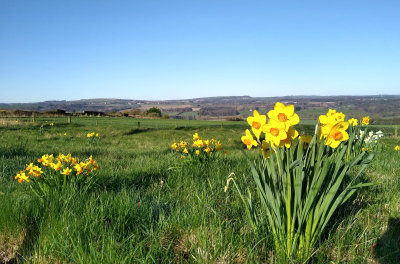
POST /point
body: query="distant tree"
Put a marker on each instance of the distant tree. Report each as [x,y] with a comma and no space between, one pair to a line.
[154,111]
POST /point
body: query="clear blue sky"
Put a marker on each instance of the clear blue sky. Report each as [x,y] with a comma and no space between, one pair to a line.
[56,50]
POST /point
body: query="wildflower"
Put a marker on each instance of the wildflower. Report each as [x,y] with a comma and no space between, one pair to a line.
[365,121]
[257,122]
[66,171]
[52,124]
[248,140]
[65,134]
[353,122]
[339,117]
[21,177]
[97,135]
[197,152]
[337,134]
[284,114]
[207,150]
[185,151]
[196,136]
[275,131]
[397,148]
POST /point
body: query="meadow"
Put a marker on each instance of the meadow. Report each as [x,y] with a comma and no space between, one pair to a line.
[148,206]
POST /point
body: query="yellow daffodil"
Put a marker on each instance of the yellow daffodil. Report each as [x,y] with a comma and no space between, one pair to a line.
[46,159]
[56,166]
[185,151]
[196,136]
[291,135]
[21,176]
[337,134]
[198,143]
[36,171]
[29,166]
[248,140]
[207,150]
[257,122]
[78,168]
[97,135]
[197,152]
[365,121]
[353,122]
[175,146]
[51,124]
[397,148]
[66,171]
[275,131]
[218,146]
[284,114]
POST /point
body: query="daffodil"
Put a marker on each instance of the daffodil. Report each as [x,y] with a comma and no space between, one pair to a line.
[257,122]
[248,140]
[185,151]
[275,131]
[198,143]
[337,134]
[284,114]
[36,171]
[29,166]
[196,136]
[66,171]
[21,176]
[353,122]
[365,121]
[78,168]
[207,150]
[397,148]
[218,146]
[291,135]
[197,152]
[56,166]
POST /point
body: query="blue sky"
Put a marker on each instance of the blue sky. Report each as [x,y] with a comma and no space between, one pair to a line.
[67,50]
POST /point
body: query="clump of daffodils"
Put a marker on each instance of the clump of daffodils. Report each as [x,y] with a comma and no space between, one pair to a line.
[200,150]
[279,131]
[300,179]
[93,135]
[51,172]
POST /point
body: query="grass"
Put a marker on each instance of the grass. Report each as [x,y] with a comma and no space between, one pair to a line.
[148,208]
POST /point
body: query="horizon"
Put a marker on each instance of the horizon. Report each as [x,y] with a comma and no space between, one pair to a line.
[158,51]
[184,99]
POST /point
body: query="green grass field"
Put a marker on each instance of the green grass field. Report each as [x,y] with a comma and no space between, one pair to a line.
[147,207]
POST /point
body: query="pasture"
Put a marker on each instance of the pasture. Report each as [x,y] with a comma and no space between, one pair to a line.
[148,206]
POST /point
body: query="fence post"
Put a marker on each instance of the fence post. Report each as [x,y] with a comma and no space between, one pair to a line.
[33,118]
[395,131]
[69,119]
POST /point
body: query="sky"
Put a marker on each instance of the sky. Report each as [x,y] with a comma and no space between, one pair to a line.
[156,50]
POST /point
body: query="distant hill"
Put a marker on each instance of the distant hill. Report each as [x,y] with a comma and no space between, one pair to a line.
[385,107]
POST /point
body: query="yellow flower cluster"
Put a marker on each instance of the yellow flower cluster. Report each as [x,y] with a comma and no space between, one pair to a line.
[397,148]
[279,130]
[199,149]
[333,127]
[62,164]
[92,135]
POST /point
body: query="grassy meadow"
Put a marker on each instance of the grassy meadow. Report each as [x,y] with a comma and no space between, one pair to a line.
[148,206]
